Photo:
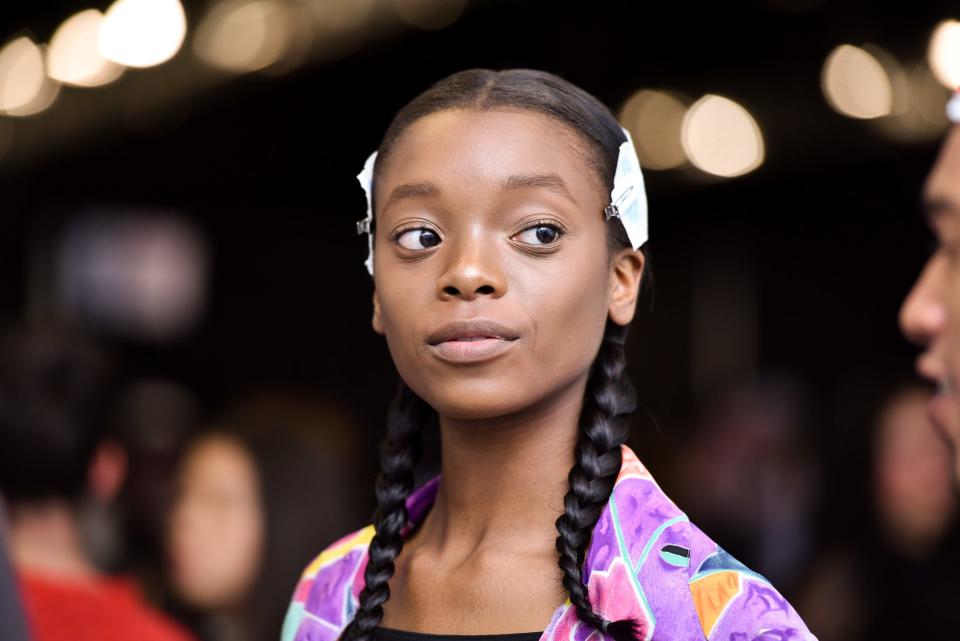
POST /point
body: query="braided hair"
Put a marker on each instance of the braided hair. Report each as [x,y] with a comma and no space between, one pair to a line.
[609,397]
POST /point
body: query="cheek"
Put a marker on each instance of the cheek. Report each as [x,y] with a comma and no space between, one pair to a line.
[401,301]
[569,307]
[217,551]
[951,301]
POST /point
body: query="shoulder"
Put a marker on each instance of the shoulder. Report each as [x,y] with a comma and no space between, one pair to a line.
[648,562]
[732,601]
[105,608]
[326,595]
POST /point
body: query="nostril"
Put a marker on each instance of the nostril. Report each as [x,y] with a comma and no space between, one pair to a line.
[485,289]
[451,291]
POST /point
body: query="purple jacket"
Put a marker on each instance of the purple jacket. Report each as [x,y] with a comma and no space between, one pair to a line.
[646,561]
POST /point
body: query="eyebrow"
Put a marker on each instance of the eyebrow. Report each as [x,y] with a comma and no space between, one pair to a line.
[552,182]
[414,190]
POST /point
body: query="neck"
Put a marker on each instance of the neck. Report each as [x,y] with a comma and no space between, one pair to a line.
[504,479]
[45,538]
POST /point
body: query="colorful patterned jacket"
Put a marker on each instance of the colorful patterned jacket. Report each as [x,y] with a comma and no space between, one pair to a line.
[646,561]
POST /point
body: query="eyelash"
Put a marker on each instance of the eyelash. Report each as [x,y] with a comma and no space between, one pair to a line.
[552,224]
[530,247]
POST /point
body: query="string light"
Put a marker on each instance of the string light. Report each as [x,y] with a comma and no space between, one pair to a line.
[721,137]
[73,57]
[142,33]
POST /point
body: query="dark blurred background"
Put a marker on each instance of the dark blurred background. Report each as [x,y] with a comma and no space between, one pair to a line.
[197,217]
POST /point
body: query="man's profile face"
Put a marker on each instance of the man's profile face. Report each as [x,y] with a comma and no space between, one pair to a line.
[930,315]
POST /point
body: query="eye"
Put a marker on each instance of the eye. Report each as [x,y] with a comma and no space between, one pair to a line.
[418,239]
[540,234]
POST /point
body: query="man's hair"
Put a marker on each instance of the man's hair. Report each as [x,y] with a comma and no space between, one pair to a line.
[53,388]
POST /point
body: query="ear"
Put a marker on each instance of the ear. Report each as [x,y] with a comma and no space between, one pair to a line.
[626,272]
[108,470]
[377,320]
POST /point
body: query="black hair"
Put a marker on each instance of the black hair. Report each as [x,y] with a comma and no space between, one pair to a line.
[609,396]
[55,386]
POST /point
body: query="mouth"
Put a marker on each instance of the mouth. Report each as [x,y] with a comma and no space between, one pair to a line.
[471,341]
[940,409]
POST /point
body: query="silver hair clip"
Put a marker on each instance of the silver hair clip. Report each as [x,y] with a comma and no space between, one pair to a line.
[363,226]
[611,211]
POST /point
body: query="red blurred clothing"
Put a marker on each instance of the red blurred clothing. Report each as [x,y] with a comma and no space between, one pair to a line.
[101,609]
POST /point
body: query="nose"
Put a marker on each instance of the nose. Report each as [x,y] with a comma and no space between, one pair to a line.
[923,314]
[473,270]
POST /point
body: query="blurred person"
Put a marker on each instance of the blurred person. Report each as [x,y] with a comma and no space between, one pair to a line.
[505,217]
[255,498]
[912,471]
[13,626]
[55,455]
[155,419]
[904,568]
[908,567]
[749,472]
[930,315]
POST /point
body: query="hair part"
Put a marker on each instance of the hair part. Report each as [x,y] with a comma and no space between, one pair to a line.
[609,397]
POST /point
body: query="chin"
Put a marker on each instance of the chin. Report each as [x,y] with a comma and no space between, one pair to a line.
[479,399]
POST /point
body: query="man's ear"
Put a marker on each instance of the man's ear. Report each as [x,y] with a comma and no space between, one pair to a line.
[108,470]
[377,320]
[626,273]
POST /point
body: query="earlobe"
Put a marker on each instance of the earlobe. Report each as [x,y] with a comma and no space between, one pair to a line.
[625,276]
[377,321]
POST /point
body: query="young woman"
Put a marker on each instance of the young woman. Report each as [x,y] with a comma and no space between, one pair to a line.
[504,285]
[238,533]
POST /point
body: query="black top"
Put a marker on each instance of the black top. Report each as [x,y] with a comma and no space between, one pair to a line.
[388,634]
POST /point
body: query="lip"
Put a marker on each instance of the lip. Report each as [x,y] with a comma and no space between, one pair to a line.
[471,341]
[930,367]
[939,408]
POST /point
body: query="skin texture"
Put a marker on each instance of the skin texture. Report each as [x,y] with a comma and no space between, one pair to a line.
[483,561]
[930,315]
[217,525]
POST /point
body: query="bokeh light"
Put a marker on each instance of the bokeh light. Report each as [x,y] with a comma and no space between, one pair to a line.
[856,83]
[248,35]
[73,57]
[142,33]
[429,14]
[944,53]
[25,89]
[721,138]
[655,121]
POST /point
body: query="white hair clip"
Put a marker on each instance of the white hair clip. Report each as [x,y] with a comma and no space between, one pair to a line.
[628,200]
[365,226]
[953,108]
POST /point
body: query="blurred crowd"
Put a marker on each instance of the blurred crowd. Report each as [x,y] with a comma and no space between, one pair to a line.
[133,514]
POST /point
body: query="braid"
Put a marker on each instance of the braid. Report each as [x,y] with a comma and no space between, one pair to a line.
[399,455]
[609,398]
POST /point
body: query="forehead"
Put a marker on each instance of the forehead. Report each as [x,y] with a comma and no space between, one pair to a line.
[943,185]
[454,145]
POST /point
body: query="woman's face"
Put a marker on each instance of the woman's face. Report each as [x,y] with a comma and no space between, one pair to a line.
[492,273]
[216,530]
